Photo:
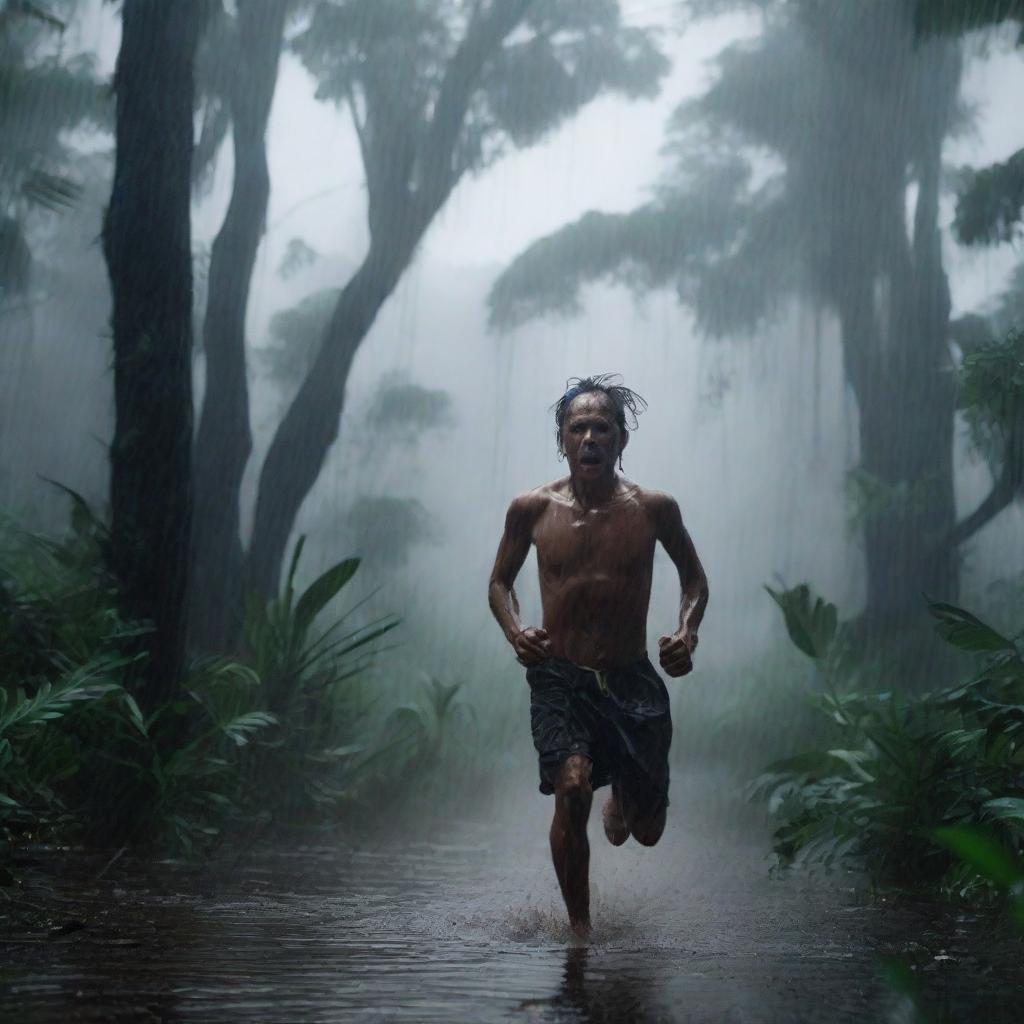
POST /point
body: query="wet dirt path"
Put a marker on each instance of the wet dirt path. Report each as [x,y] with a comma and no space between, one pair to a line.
[464,924]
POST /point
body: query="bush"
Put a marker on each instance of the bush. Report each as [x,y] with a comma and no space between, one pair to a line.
[896,770]
[272,735]
[309,683]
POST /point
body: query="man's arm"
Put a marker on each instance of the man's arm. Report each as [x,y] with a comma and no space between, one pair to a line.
[531,644]
[676,651]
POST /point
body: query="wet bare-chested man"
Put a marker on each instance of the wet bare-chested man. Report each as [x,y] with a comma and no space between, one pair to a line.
[599,711]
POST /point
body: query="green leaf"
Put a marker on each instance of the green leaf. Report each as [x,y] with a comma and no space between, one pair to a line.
[854,760]
[812,622]
[321,590]
[1007,808]
[84,522]
[289,589]
[966,631]
[982,852]
[347,750]
[135,713]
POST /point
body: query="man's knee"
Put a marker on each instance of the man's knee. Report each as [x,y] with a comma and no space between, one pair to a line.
[574,779]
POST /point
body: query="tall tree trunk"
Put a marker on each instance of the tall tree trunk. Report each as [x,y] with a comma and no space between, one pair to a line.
[410,172]
[311,423]
[224,438]
[147,242]
[898,362]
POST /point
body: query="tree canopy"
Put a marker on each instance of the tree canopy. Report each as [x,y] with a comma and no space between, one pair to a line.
[436,89]
[775,178]
[43,95]
[990,203]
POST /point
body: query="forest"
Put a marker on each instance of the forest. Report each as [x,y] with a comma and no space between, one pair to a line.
[288,292]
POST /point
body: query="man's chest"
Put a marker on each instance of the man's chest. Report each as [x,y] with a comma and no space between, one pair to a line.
[616,540]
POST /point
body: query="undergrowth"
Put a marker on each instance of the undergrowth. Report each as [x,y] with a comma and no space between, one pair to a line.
[906,788]
[288,732]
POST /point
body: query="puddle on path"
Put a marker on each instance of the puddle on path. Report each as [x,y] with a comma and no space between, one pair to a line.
[471,929]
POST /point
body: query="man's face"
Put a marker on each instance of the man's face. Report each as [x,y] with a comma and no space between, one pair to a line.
[590,436]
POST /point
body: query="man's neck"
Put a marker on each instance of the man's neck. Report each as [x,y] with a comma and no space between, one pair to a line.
[594,493]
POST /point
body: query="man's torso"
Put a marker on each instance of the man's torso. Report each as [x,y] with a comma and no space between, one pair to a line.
[595,570]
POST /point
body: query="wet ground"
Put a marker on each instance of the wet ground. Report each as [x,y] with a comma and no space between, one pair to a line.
[463,923]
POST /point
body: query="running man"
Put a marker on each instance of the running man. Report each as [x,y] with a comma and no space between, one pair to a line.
[599,711]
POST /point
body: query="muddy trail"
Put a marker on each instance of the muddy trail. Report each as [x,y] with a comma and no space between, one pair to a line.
[462,922]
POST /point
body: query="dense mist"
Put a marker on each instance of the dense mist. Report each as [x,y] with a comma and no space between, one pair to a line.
[792,227]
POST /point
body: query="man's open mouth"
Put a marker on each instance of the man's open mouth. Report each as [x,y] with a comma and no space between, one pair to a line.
[590,460]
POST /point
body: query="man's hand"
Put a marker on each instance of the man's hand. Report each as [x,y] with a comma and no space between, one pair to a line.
[531,645]
[675,653]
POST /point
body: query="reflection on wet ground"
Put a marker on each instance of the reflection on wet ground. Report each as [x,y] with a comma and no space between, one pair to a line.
[469,928]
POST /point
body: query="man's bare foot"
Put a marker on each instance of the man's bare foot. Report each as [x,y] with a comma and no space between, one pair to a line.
[581,931]
[615,827]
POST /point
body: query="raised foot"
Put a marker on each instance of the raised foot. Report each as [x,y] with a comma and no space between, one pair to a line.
[615,827]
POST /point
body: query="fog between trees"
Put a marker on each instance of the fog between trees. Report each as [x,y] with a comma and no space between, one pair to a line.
[756,420]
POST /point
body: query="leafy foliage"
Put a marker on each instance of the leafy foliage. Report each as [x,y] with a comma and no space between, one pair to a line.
[387,526]
[812,622]
[43,96]
[306,682]
[435,89]
[770,191]
[74,747]
[990,206]
[680,239]
[991,397]
[393,62]
[427,736]
[1008,311]
[404,409]
[35,756]
[298,255]
[269,738]
[870,498]
[295,338]
[952,17]
[990,860]
[990,203]
[898,777]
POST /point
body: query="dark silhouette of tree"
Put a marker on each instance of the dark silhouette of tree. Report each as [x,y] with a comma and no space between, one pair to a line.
[989,211]
[856,111]
[147,243]
[436,90]
[224,437]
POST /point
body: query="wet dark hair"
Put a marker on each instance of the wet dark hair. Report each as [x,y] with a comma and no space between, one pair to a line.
[624,401]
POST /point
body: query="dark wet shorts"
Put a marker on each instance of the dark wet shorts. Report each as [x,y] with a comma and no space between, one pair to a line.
[618,718]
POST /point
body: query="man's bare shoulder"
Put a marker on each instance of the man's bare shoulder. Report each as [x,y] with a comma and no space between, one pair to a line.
[531,504]
[654,499]
[660,505]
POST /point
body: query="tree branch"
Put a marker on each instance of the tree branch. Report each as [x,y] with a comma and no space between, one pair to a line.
[484,35]
[1001,495]
[360,126]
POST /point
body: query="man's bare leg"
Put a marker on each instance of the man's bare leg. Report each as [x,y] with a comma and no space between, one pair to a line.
[615,827]
[644,815]
[569,847]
